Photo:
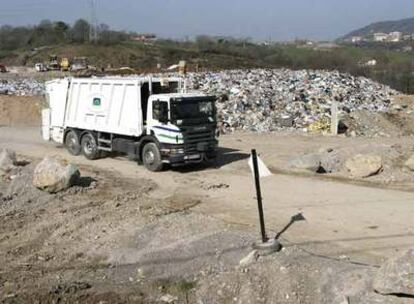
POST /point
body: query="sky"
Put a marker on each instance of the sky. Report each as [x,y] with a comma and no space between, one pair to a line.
[278,20]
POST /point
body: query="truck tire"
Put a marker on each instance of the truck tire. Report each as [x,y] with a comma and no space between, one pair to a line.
[151,157]
[89,146]
[72,143]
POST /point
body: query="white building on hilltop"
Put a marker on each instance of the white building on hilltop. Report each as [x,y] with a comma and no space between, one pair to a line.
[356,39]
[380,37]
[395,36]
[407,37]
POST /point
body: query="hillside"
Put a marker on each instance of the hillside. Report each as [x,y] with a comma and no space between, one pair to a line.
[393,68]
[403,25]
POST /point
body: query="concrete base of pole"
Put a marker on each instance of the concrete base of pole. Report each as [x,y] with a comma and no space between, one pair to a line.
[268,247]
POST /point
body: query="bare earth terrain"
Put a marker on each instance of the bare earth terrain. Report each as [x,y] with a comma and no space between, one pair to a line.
[24,112]
[146,234]
[126,235]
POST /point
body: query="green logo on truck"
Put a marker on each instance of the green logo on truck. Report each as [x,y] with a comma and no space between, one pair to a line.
[96,102]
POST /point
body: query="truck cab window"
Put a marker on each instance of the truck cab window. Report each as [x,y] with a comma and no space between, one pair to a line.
[160,111]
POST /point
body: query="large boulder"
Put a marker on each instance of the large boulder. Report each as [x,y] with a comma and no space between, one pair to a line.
[331,162]
[396,276]
[54,176]
[7,160]
[307,162]
[410,163]
[361,166]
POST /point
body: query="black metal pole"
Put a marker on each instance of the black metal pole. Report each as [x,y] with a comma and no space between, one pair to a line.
[259,196]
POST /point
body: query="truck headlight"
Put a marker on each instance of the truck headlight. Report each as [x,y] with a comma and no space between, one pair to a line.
[177,151]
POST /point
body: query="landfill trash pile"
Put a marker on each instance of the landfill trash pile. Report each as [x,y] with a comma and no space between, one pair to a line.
[264,100]
[267,100]
[21,87]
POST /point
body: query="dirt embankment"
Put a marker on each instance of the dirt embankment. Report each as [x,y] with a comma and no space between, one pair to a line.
[20,110]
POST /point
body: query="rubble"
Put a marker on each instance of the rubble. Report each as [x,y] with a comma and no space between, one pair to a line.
[267,100]
[21,87]
[167,298]
[249,259]
[410,163]
[7,160]
[53,176]
[396,276]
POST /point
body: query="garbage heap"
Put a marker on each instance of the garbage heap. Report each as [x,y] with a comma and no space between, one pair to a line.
[267,100]
[21,87]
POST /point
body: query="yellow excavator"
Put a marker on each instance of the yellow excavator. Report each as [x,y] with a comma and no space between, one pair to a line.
[64,64]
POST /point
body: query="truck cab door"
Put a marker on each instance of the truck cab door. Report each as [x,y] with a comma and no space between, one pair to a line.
[160,125]
[158,113]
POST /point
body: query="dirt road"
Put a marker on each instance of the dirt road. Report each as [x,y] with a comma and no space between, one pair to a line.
[362,223]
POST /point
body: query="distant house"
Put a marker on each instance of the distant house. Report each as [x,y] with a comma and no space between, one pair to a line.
[144,37]
[395,36]
[407,37]
[356,39]
[380,37]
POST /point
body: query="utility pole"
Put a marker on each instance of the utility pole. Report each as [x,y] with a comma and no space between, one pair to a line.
[93,22]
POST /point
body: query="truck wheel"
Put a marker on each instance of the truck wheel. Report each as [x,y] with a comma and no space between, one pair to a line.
[89,146]
[72,143]
[151,157]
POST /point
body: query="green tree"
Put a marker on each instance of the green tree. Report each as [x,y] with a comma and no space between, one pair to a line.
[80,31]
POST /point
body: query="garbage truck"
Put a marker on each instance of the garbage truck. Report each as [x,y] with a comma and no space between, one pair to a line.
[152,120]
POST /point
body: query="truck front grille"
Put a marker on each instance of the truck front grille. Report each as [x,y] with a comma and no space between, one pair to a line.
[198,141]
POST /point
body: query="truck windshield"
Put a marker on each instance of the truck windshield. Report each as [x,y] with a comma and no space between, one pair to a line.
[190,109]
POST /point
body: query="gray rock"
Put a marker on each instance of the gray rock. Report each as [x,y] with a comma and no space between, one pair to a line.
[410,163]
[308,162]
[167,298]
[53,176]
[249,259]
[331,162]
[7,160]
[326,150]
[353,285]
[396,276]
[361,166]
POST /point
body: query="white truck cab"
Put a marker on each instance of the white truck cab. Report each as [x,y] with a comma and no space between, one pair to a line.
[146,118]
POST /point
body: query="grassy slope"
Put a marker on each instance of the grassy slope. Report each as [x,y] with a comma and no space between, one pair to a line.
[133,54]
[139,55]
[144,57]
